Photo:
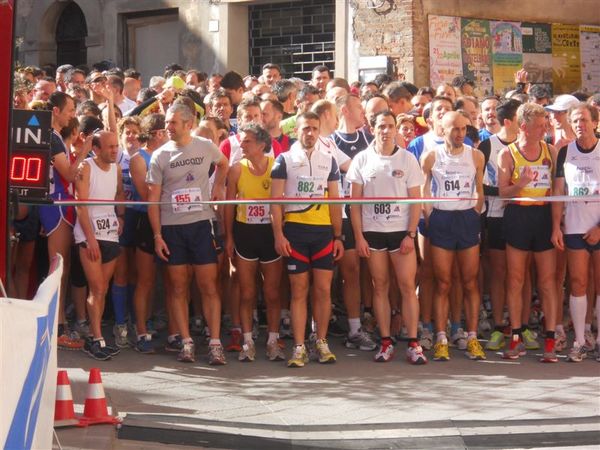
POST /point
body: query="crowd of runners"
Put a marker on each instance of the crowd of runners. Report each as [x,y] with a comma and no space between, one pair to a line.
[470,248]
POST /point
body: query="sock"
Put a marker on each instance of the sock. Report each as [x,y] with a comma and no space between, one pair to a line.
[517,332]
[147,336]
[285,313]
[130,305]
[119,301]
[386,340]
[273,337]
[214,341]
[187,340]
[172,338]
[560,328]
[236,328]
[428,326]
[354,326]
[441,336]
[472,334]
[550,335]
[248,338]
[578,308]
[454,326]
[588,327]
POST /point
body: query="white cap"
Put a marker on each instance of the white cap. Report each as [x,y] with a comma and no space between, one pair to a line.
[562,103]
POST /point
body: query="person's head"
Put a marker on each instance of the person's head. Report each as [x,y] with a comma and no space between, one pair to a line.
[454,125]
[506,113]
[214,82]
[558,110]
[531,118]
[62,107]
[335,92]
[249,111]
[88,125]
[488,112]
[272,114]
[383,127]
[469,105]
[307,129]
[105,146]
[399,98]
[320,77]
[271,73]
[157,84]
[338,82]
[153,133]
[439,107]
[418,102]
[219,127]
[96,81]
[75,77]
[427,92]
[61,72]
[128,129]
[285,90]
[539,94]
[221,105]
[254,140]
[351,111]
[43,89]
[374,104]
[88,108]
[382,80]
[116,85]
[406,127]
[131,87]
[179,122]
[465,85]
[583,118]
[446,90]
[145,94]
[328,117]
[308,95]
[233,83]
[192,78]
[70,132]
[368,88]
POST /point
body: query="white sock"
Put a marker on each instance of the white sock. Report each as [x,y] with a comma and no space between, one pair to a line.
[441,336]
[354,326]
[284,313]
[588,327]
[273,337]
[187,340]
[248,338]
[578,308]
[214,342]
[560,328]
[472,334]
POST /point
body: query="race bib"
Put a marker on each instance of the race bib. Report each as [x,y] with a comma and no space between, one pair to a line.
[541,177]
[106,226]
[456,185]
[309,186]
[182,200]
[129,191]
[257,214]
[385,212]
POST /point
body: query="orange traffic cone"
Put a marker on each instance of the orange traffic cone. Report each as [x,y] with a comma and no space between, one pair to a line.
[64,413]
[95,410]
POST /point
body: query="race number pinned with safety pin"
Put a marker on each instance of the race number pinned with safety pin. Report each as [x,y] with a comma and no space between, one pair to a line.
[184,200]
[258,214]
[106,226]
[541,177]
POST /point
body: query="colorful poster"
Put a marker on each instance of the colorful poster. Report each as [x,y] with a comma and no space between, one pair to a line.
[566,61]
[589,44]
[445,60]
[537,52]
[477,54]
[507,54]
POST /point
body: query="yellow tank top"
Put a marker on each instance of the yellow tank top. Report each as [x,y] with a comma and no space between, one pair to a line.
[254,186]
[541,184]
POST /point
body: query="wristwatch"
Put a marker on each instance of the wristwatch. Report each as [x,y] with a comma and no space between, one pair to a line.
[338,238]
[411,234]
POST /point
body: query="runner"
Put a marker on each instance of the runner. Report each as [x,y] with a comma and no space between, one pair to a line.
[97,233]
[525,170]
[309,236]
[577,175]
[183,236]
[250,238]
[387,230]
[455,170]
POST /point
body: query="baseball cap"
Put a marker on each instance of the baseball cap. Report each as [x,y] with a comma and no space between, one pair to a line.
[176,83]
[562,103]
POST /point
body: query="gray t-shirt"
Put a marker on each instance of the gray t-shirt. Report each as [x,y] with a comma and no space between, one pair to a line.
[182,173]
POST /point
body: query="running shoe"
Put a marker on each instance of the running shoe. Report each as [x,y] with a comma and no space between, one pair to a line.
[299,357]
[197,326]
[369,323]
[324,354]
[216,355]
[577,353]
[560,341]
[496,341]
[515,349]
[285,328]
[549,355]
[187,352]
[414,355]
[590,341]
[120,333]
[336,328]
[248,352]
[152,331]
[275,352]
[440,351]
[96,349]
[361,340]
[426,340]
[175,345]
[530,339]
[474,349]
[82,328]
[235,341]
[144,344]
[459,339]
[385,353]
[70,340]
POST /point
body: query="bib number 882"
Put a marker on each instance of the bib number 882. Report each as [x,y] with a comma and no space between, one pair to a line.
[306,186]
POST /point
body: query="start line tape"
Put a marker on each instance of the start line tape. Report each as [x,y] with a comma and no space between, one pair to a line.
[319,201]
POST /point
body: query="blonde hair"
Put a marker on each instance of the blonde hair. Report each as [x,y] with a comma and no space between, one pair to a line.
[529,111]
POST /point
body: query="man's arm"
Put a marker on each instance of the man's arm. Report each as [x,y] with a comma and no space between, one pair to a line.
[505,170]
[282,245]
[82,192]
[160,247]
[335,215]
[221,169]
[479,160]
[229,210]
[362,247]
[427,162]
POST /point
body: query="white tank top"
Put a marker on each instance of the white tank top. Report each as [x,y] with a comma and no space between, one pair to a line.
[103,186]
[495,206]
[453,176]
[582,177]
